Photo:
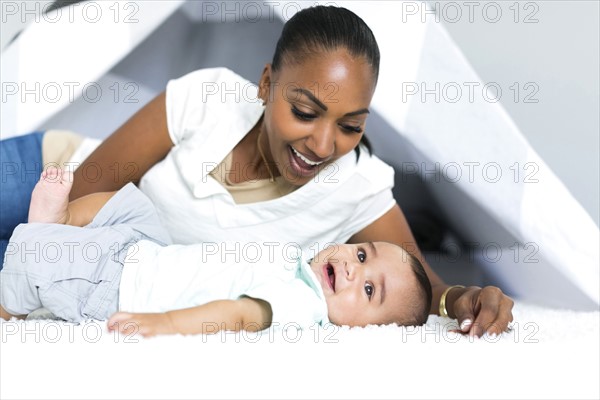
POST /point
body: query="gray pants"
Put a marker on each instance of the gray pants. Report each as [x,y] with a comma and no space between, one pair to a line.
[75,272]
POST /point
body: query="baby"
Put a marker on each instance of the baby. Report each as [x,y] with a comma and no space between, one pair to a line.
[106,255]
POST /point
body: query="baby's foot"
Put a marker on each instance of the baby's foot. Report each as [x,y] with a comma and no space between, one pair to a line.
[50,197]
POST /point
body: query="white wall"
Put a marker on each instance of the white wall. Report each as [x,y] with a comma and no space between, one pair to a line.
[559,54]
[15,15]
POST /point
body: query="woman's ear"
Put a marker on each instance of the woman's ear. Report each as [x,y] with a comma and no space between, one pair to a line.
[264,86]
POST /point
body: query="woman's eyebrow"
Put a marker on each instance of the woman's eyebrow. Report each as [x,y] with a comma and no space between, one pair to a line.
[361,111]
[311,96]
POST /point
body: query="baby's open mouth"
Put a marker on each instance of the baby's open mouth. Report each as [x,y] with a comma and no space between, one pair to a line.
[331,276]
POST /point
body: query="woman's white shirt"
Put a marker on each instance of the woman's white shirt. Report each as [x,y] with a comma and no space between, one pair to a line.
[208,112]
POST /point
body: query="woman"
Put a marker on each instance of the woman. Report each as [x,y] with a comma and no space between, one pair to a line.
[225,167]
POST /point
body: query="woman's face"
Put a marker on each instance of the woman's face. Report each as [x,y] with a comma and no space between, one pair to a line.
[316,112]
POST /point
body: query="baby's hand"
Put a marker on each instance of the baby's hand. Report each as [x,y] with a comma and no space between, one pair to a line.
[145,324]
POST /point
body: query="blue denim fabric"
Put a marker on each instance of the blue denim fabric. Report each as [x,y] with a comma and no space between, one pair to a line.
[20,169]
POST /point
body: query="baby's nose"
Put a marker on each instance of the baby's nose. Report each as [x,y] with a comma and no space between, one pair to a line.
[351,269]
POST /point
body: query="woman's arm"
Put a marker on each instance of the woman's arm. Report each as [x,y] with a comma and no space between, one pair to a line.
[127,154]
[487,309]
[245,313]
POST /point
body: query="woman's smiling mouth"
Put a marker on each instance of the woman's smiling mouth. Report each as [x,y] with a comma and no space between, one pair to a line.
[301,165]
[305,159]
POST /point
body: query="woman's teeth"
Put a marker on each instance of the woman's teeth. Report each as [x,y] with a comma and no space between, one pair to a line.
[306,160]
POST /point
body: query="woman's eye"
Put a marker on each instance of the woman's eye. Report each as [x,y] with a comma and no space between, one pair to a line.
[352,129]
[369,290]
[302,115]
[362,256]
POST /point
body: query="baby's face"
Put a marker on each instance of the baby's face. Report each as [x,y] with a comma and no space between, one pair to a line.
[368,283]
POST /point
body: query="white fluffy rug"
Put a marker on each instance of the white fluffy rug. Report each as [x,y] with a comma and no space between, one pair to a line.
[548,354]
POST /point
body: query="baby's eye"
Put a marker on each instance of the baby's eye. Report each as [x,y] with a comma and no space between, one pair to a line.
[369,290]
[362,256]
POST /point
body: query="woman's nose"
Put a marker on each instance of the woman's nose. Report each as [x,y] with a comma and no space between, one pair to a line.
[322,142]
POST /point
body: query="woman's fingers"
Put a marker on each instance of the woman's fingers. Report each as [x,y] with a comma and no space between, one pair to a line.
[504,317]
[465,314]
[495,313]
[486,310]
[466,308]
[489,299]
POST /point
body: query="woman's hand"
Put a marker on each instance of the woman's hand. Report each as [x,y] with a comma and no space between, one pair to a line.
[480,311]
[144,324]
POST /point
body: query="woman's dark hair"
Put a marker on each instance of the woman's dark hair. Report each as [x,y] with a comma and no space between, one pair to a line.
[327,28]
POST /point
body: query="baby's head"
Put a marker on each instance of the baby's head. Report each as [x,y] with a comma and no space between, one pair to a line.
[373,283]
